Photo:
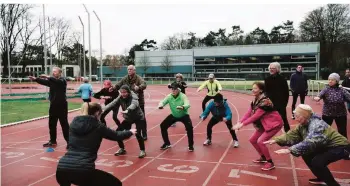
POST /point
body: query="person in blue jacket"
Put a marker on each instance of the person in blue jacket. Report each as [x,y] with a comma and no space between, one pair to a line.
[85,90]
[221,112]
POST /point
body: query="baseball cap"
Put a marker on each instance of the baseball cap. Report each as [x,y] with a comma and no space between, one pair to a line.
[211,76]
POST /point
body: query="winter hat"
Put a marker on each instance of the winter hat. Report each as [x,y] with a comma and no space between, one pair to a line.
[334,76]
[174,86]
[107,83]
[218,98]
[304,111]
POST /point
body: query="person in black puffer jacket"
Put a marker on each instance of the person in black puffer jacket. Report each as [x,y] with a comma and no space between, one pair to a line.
[277,90]
[77,166]
[108,96]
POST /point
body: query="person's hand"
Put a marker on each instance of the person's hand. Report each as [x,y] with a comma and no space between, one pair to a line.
[133,131]
[317,98]
[340,86]
[125,111]
[202,118]
[282,151]
[306,92]
[111,89]
[270,142]
[224,120]
[198,90]
[180,107]
[32,77]
[237,126]
[136,88]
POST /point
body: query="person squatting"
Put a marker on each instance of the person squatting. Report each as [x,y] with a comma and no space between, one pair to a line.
[313,138]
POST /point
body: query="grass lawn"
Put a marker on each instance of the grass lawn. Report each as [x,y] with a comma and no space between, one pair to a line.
[13,111]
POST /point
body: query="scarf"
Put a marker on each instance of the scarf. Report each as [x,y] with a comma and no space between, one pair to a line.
[263,103]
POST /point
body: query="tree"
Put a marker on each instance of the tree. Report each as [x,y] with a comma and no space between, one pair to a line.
[145,45]
[114,62]
[12,16]
[330,25]
[144,63]
[166,63]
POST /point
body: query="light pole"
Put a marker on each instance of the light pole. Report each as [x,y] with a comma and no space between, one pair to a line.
[100,49]
[8,51]
[89,41]
[82,24]
[48,18]
[45,47]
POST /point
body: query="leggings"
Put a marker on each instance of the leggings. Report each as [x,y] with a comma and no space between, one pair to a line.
[258,139]
[86,178]
[213,121]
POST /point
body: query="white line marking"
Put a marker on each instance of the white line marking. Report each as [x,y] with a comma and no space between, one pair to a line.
[24,159]
[167,178]
[134,172]
[294,172]
[234,173]
[37,166]
[223,156]
[30,120]
[258,174]
[237,184]
[42,179]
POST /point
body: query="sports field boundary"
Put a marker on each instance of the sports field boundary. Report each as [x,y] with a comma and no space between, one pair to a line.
[33,119]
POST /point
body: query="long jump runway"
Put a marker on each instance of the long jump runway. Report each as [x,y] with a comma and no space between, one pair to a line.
[25,161]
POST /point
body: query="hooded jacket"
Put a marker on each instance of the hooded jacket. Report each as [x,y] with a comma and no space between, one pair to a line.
[130,103]
[85,137]
[222,111]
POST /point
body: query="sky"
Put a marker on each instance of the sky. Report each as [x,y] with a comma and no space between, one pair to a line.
[124,25]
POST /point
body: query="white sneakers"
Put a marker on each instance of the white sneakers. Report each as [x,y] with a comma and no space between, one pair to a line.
[208,142]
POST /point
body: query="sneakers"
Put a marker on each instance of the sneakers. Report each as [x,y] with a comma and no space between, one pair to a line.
[142,154]
[235,144]
[268,166]
[191,149]
[317,181]
[165,146]
[50,144]
[120,152]
[260,160]
[207,142]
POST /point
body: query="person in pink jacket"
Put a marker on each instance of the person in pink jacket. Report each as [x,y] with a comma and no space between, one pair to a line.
[267,122]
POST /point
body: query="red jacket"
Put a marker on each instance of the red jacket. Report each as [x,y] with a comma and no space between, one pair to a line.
[269,120]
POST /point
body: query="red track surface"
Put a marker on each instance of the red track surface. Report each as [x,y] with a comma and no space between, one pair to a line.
[25,161]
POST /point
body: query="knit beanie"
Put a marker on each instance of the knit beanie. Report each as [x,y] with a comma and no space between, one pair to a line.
[334,76]
[304,111]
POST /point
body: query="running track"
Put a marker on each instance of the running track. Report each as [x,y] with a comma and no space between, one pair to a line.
[25,161]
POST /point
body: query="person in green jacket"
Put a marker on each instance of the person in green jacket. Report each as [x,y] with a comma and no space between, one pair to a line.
[179,106]
[316,142]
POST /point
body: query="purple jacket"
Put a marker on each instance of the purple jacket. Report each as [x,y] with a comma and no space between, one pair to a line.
[334,98]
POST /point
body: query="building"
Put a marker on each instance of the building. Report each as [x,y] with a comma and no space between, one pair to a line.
[237,61]
[67,70]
